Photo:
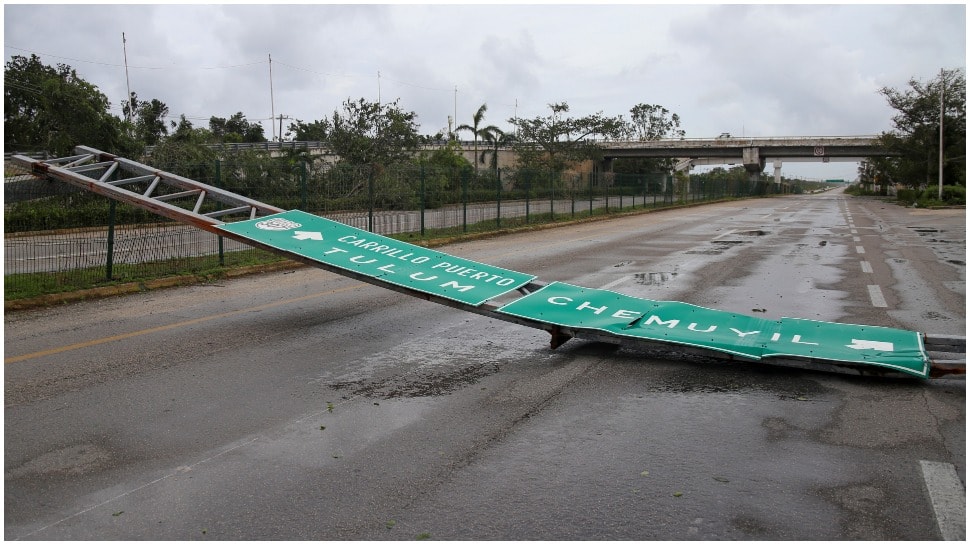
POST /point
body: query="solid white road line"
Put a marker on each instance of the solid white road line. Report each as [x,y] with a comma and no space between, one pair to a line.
[948,497]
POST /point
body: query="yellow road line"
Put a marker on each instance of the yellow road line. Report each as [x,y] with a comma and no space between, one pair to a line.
[176,325]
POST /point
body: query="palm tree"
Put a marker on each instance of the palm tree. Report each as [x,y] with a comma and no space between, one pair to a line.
[478,131]
[496,139]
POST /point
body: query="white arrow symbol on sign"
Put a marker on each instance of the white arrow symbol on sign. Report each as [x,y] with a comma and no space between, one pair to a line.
[873,345]
[305,235]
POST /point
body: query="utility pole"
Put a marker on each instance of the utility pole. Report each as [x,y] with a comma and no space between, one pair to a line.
[124,46]
[282,117]
[942,86]
[272,102]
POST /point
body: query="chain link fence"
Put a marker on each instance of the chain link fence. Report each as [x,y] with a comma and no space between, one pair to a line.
[59,238]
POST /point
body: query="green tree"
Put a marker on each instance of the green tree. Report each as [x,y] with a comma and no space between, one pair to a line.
[442,170]
[496,139]
[478,131]
[554,141]
[147,118]
[447,157]
[318,131]
[736,180]
[184,131]
[235,129]
[915,138]
[53,109]
[654,122]
[370,133]
[650,122]
[186,152]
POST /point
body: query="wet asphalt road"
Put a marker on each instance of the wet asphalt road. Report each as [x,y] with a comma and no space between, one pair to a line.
[304,405]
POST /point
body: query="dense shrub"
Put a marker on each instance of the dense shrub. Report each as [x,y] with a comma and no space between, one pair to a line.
[954,194]
[907,196]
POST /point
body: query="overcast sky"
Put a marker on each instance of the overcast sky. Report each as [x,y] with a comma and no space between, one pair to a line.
[750,70]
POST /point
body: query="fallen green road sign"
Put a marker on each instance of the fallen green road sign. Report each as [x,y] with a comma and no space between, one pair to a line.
[673,322]
[399,263]
[564,310]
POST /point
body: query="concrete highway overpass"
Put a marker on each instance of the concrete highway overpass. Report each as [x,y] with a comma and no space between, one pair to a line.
[753,153]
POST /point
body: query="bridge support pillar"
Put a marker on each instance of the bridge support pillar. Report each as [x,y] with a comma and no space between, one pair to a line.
[753,163]
[606,165]
[777,172]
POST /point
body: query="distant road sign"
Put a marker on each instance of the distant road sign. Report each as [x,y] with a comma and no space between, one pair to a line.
[407,265]
[756,338]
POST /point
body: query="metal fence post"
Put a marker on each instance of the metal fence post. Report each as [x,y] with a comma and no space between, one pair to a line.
[370,198]
[528,195]
[644,191]
[304,197]
[606,193]
[218,182]
[572,197]
[421,188]
[552,197]
[464,201]
[109,266]
[498,200]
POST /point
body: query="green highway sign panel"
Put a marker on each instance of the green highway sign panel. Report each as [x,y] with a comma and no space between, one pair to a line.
[747,336]
[395,262]
[427,271]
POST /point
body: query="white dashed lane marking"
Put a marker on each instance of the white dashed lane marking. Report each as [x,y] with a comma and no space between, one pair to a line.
[875,295]
[948,497]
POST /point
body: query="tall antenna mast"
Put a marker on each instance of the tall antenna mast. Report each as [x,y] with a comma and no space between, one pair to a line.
[272,102]
[515,116]
[124,46]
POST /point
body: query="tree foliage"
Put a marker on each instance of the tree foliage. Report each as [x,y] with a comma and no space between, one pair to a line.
[52,109]
[148,119]
[371,133]
[555,141]
[315,131]
[480,132]
[650,122]
[447,157]
[235,129]
[186,146]
[654,122]
[442,170]
[495,139]
[915,137]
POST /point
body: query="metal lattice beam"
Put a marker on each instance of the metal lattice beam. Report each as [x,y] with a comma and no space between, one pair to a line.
[166,194]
